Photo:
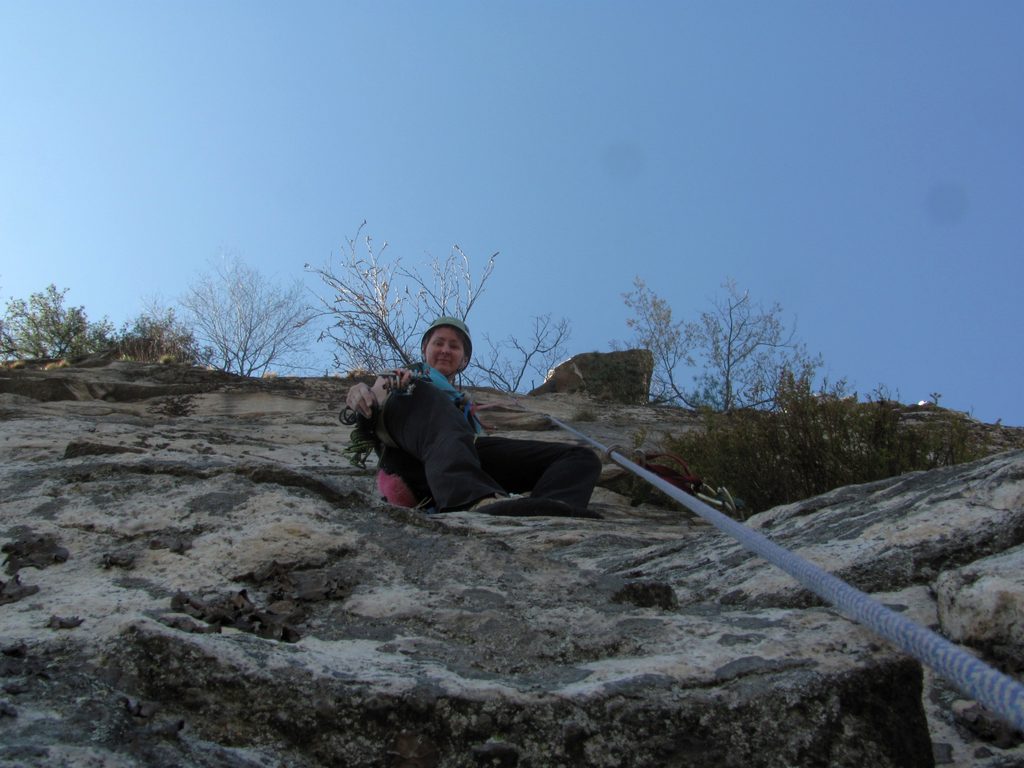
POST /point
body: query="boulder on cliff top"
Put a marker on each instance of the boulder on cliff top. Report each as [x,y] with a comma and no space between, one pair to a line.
[617,377]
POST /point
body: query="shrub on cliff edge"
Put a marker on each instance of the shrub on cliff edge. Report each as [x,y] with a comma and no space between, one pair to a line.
[817,441]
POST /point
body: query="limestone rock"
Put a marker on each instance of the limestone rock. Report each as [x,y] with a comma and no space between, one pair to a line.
[880,537]
[619,377]
[202,580]
[982,605]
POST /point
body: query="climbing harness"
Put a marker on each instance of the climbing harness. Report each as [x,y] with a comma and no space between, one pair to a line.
[999,693]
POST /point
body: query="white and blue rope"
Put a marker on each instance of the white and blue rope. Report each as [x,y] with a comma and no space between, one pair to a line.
[1001,694]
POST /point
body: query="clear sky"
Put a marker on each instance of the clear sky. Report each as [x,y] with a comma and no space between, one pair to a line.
[862,163]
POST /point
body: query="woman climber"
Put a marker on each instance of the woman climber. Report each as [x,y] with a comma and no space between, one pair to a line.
[429,438]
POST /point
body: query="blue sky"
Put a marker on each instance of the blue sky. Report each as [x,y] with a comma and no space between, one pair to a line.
[862,163]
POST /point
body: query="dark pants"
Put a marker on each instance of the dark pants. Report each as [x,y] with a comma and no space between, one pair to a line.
[439,454]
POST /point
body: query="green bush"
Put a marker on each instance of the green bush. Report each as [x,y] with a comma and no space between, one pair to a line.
[43,327]
[815,442]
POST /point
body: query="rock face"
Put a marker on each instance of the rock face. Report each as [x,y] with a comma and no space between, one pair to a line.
[194,576]
[982,604]
[618,377]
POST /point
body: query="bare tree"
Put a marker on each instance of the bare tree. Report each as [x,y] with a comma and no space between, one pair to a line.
[378,310]
[542,352]
[741,349]
[246,323]
[373,316]
[668,340]
[451,290]
[746,349]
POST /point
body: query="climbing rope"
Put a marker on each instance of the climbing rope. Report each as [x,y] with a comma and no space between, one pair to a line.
[999,693]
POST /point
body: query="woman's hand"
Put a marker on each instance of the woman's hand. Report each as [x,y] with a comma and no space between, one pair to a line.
[403,378]
[360,398]
[363,399]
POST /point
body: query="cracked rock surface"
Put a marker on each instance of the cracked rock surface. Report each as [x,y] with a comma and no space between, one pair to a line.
[194,576]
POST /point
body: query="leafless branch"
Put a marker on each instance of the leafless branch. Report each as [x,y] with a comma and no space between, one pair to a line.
[545,348]
[245,322]
[741,349]
[378,308]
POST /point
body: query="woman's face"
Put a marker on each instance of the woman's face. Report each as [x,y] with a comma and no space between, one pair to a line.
[445,352]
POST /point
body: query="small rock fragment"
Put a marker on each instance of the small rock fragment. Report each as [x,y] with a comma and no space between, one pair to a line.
[140,709]
[169,728]
[185,624]
[15,650]
[499,754]
[414,750]
[986,726]
[647,594]
[64,622]
[33,552]
[124,560]
[236,611]
[176,542]
[13,590]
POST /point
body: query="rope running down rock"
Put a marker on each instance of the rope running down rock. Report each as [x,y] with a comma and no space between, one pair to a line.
[1001,694]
